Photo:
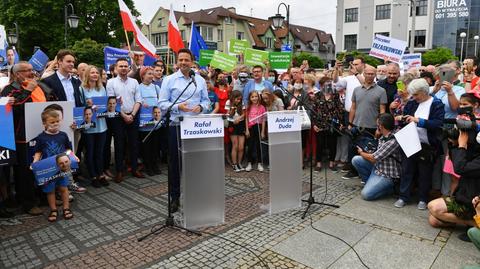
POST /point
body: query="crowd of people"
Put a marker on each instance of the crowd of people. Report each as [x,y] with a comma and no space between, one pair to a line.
[355,109]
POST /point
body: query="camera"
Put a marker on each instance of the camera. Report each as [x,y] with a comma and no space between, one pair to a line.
[461,124]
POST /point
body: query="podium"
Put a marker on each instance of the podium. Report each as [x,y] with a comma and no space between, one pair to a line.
[285,150]
[203,170]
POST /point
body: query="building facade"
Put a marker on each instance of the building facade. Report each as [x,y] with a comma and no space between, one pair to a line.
[438,23]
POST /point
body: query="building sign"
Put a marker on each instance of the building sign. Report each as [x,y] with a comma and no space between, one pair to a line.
[201,127]
[451,9]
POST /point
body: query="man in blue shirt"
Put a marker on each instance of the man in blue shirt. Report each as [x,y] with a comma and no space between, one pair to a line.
[192,102]
[258,83]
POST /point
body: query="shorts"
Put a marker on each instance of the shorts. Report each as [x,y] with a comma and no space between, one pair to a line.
[460,210]
[50,187]
[239,129]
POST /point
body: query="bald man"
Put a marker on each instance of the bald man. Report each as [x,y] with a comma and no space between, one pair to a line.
[81,70]
[390,82]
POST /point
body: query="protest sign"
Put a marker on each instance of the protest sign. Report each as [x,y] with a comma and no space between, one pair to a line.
[205,57]
[111,55]
[411,60]
[148,118]
[106,107]
[39,60]
[54,168]
[84,118]
[254,57]
[238,46]
[223,61]
[280,60]
[387,48]
[7,139]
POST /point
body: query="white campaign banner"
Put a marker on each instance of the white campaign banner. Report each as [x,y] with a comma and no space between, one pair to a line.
[412,60]
[201,127]
[284,121]
[387,48]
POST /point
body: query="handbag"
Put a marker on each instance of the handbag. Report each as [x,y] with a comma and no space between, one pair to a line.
[306,123]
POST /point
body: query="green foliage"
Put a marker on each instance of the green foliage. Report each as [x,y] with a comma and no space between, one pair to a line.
[41,23]
[437,56]
[313,61]
[368,59]
[89,51]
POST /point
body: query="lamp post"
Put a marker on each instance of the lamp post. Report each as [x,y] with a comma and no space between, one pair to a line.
[13,37]
[462,36]
[70,20]
[476,44]
[278,19]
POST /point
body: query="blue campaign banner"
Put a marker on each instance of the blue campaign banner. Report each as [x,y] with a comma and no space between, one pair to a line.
[7,139]
[111,55]
[146,119]
[149,60]
[102,108]
[84,118]
[53,168]
[39,60]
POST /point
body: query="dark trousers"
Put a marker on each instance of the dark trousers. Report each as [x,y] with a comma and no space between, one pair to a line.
[164,143]
[174,162]
[95,144]
[127,134]
[326,140]
[118,142]
[24,179]
[414,166]
[253,143]
[150,149]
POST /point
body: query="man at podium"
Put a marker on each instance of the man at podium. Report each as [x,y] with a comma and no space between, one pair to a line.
[192,101]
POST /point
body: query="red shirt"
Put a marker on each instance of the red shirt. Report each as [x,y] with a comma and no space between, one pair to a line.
[222,99]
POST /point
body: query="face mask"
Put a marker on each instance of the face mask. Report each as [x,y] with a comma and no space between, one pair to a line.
[271,79]
[222,81]
[467,110]
[381,77]
[298,86]
[285,83]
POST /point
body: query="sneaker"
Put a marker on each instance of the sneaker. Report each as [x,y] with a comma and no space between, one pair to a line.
[249,167]
[346,168]
[260,167]
[74,187]
[363,182]
[399,203]
[241,167]
[422,205]
[35,211]
[236,168]
[350,175]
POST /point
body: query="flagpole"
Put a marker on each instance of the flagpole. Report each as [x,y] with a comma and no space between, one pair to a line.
[168,57]
[128,42]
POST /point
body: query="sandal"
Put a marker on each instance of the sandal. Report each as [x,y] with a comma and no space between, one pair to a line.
[67,213]
[52,217]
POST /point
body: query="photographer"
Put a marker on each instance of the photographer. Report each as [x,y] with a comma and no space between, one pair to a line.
[428,113]
[380,168]
[458,208]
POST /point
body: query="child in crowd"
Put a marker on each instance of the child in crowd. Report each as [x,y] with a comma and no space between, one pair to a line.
[254,129]
[236,114]
[52,142]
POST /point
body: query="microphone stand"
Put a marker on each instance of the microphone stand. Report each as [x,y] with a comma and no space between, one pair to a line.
[310,200]
[169,221]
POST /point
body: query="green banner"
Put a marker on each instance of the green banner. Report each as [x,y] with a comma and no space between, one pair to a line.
[238,46]
[223,61]
[255,57]
[280,60]
[205,57]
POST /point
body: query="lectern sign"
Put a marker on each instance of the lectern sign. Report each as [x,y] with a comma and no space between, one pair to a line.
[201,127]
[284,121]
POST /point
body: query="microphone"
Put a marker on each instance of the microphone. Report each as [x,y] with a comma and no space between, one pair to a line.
[192,76]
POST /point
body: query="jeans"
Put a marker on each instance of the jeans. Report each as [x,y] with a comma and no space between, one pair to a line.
[363,167]
[95,144]
[377,185]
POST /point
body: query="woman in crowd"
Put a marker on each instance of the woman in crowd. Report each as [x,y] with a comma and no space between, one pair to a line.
[94,137]
[236,116]
[427,113]
[402,96]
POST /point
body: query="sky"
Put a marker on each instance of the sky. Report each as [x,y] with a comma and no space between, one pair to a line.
[319,14]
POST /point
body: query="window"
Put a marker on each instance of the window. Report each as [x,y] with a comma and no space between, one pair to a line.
[228,20]
[382,33]
[240,35]
[383,12]
[220,35]
[182,33]
[350,42]
[351,14]
[160,39]
[161,22]
[269,42]
[207,33]
[422,8]
[315,46]
[420,38]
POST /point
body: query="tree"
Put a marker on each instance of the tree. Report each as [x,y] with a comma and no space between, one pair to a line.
[437,56]
[367,58]
[89,51]
[313,61]
[41,23]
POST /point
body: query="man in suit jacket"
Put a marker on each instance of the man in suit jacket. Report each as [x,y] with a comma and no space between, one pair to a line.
[64,86]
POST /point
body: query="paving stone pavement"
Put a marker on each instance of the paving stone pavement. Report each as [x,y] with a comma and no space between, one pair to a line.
[108,221]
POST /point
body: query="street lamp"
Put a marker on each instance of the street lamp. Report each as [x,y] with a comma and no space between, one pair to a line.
[13,37]
[476,43]
[278,19]
[462,36]
[70,20]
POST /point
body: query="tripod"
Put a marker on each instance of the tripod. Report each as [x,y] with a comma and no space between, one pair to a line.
[169,222]
[310,200]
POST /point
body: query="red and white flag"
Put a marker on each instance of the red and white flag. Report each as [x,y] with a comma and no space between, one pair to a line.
[174,38]
[130,26]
